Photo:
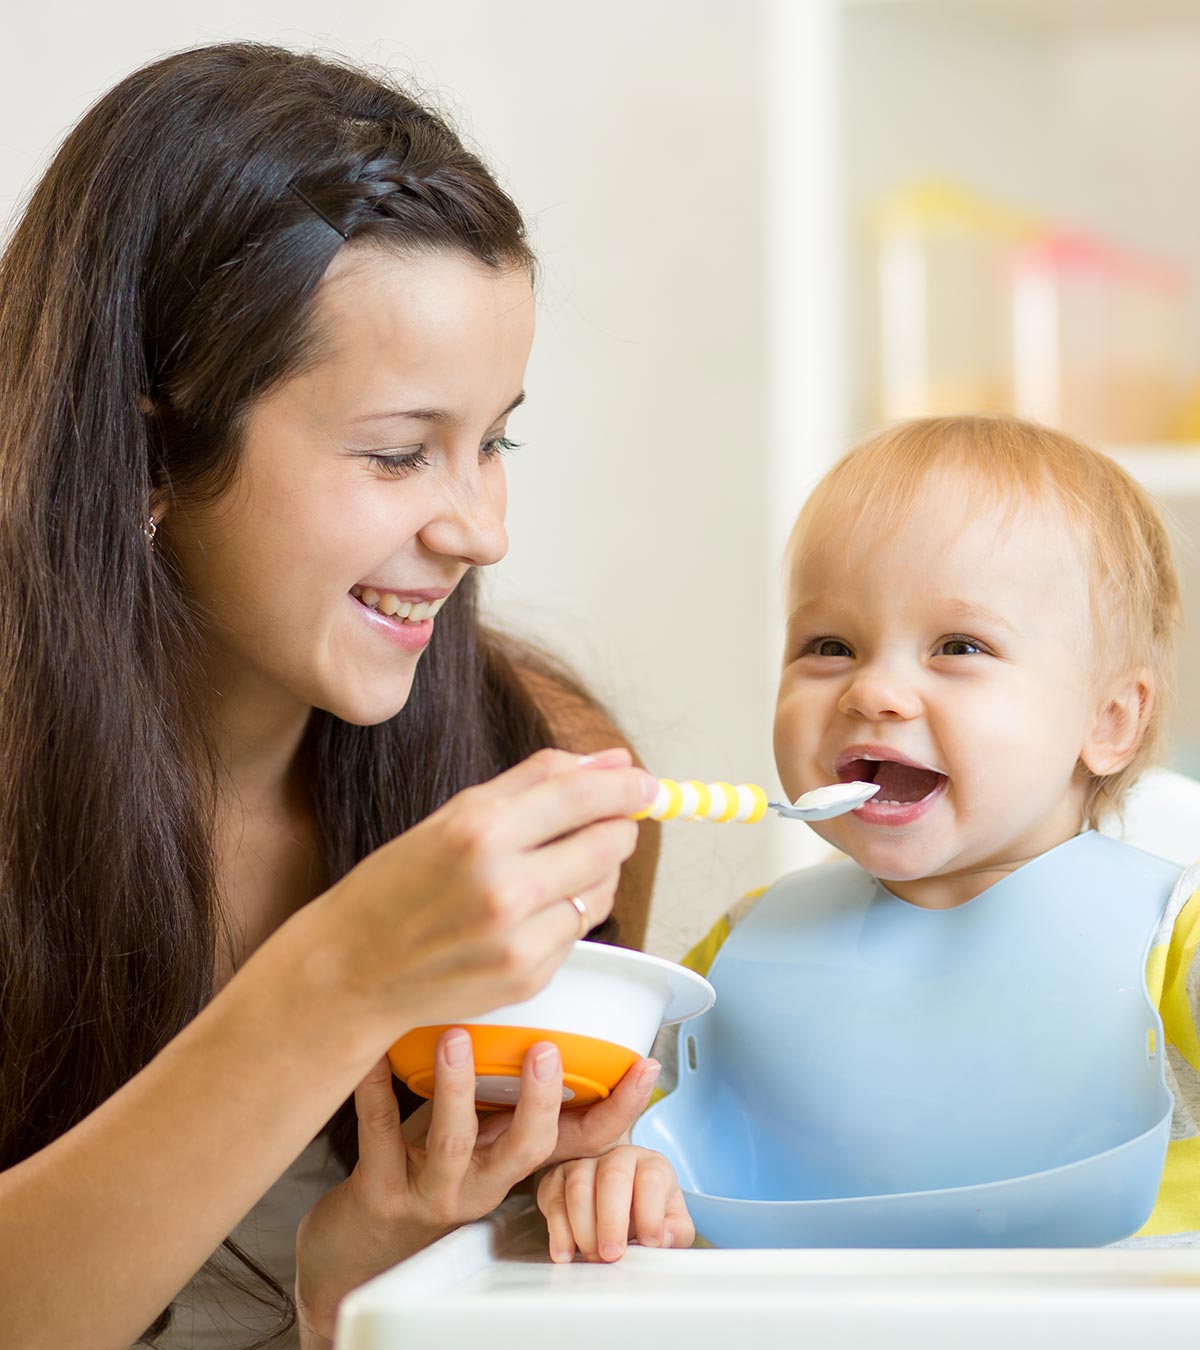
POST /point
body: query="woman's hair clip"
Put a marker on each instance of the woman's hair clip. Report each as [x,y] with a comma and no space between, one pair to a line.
[312,206]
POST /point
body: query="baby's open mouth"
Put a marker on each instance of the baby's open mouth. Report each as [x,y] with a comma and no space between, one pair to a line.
[899,784]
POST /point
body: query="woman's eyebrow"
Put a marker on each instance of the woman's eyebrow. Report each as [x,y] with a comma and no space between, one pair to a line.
[437,415]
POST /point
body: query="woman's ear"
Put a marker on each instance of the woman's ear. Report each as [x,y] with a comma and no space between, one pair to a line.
[1120,725]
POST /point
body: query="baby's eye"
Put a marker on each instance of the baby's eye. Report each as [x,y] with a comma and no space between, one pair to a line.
[399,464]
[959,646]
[828,647]
[497,446]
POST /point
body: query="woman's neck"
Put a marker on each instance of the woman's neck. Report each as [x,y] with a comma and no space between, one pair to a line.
[265,842]
[256,735]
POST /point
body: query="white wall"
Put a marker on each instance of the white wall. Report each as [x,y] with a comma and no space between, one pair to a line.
[631,133]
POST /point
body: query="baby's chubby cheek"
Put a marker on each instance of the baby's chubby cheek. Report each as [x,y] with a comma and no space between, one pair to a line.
[790,753]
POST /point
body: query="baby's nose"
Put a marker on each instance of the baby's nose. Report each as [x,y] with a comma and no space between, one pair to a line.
[879,694]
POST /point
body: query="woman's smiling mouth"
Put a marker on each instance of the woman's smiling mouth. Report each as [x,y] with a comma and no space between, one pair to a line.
[402,617]
[406,606]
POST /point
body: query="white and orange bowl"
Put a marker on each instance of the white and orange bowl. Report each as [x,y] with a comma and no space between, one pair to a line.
[603,1009]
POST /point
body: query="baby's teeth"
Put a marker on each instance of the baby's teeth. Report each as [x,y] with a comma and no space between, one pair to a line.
[370,597]
[418,611]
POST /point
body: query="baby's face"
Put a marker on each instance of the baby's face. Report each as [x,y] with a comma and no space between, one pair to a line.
[949,659]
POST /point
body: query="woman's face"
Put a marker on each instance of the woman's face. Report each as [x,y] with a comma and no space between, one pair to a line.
[366,486]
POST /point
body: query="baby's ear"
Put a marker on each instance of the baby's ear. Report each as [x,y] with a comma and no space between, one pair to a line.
[1120,725]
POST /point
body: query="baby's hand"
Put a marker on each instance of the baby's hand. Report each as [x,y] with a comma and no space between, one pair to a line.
[596,1205]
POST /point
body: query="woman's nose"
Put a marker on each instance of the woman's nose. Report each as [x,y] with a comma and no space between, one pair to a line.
[468,519]
[878,693]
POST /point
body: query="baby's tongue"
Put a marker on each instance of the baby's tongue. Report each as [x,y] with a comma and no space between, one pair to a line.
[904,782]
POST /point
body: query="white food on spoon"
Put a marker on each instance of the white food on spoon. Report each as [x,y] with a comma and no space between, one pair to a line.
[823,803]
[835,794]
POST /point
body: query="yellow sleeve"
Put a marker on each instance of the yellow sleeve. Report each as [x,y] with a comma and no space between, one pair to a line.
[704,953]
[1179,1005]
[1172,960]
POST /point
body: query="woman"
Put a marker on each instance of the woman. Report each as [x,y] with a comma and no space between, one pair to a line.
[261,329]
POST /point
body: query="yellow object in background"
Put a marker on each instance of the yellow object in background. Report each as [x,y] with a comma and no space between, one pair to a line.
[722,803]
[943,305]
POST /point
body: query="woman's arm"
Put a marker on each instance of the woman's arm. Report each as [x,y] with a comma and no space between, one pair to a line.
[99,1230]
[579,725]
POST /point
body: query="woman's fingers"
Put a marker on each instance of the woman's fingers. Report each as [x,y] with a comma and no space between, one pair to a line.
[596,1129]
[550,794]
[453,1125]
[544,764]
[382,1160]
[586,863]
[532,1132]
[568,800]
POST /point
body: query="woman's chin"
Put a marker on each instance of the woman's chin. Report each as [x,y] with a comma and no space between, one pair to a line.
[369,709]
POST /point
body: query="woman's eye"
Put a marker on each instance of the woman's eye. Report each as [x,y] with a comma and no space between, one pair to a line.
[399,465]
[959,646]
[497,446]
[829,647]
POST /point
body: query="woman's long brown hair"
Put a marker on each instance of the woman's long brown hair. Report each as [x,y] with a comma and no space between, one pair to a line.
[162,278]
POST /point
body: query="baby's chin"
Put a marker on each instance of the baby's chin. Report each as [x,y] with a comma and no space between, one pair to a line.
[889,860]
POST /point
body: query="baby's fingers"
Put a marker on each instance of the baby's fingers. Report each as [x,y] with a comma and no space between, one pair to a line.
[660,1217]
[680,1231]
[552,1201]
[616,1175]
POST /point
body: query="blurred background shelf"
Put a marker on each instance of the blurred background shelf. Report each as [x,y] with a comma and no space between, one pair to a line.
[1169,472]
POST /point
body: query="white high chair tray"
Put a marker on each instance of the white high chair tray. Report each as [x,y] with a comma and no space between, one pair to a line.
[492,1284]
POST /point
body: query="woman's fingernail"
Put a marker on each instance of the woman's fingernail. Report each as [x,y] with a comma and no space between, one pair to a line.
[667,1239]
[648,1076]
[649,787]
[562,1257]
[611,1251]
[457,1047]
[612,758]
[545,1065]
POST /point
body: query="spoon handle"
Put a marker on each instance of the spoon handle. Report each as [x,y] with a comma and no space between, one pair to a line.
[722,803]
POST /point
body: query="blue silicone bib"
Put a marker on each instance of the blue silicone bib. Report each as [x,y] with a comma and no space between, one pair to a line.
[876,1074]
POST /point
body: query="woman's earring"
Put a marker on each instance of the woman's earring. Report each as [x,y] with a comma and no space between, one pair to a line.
[150,529]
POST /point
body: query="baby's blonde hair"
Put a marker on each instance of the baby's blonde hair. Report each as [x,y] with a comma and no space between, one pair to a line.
[1133,582]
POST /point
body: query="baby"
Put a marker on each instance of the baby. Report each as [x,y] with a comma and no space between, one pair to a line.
[981,618]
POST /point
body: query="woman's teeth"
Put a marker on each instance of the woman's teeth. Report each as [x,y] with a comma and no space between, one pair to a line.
[410,611]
